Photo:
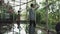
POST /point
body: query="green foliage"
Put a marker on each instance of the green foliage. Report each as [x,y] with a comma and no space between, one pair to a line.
[53,14]
[38,17]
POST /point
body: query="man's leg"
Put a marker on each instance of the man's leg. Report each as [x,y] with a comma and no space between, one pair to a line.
[34,24]
[18,23]
[32,27]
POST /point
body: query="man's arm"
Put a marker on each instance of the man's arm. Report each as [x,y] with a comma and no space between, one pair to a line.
[37,6]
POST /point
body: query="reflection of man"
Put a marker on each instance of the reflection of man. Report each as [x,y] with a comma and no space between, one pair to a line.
[18,19]
[32,17]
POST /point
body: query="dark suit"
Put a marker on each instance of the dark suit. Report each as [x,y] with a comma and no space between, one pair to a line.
[58,28]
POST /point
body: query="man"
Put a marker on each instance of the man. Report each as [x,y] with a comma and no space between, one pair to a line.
[18,19]
[32,18]
[58,28]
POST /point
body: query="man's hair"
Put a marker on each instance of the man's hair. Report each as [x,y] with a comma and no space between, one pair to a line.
[31,5]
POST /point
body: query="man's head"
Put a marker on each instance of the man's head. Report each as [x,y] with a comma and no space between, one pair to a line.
[32,5]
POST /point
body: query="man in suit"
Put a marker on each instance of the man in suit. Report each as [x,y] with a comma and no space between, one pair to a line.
[32,18]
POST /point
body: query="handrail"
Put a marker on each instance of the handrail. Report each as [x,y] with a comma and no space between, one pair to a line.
[22,4]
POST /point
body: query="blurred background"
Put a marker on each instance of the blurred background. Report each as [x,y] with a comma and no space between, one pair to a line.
[47,16]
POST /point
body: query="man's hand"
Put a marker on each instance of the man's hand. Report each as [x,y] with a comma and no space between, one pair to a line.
[36,6]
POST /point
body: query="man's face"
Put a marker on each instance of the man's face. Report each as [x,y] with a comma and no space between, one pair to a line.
[33,6]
